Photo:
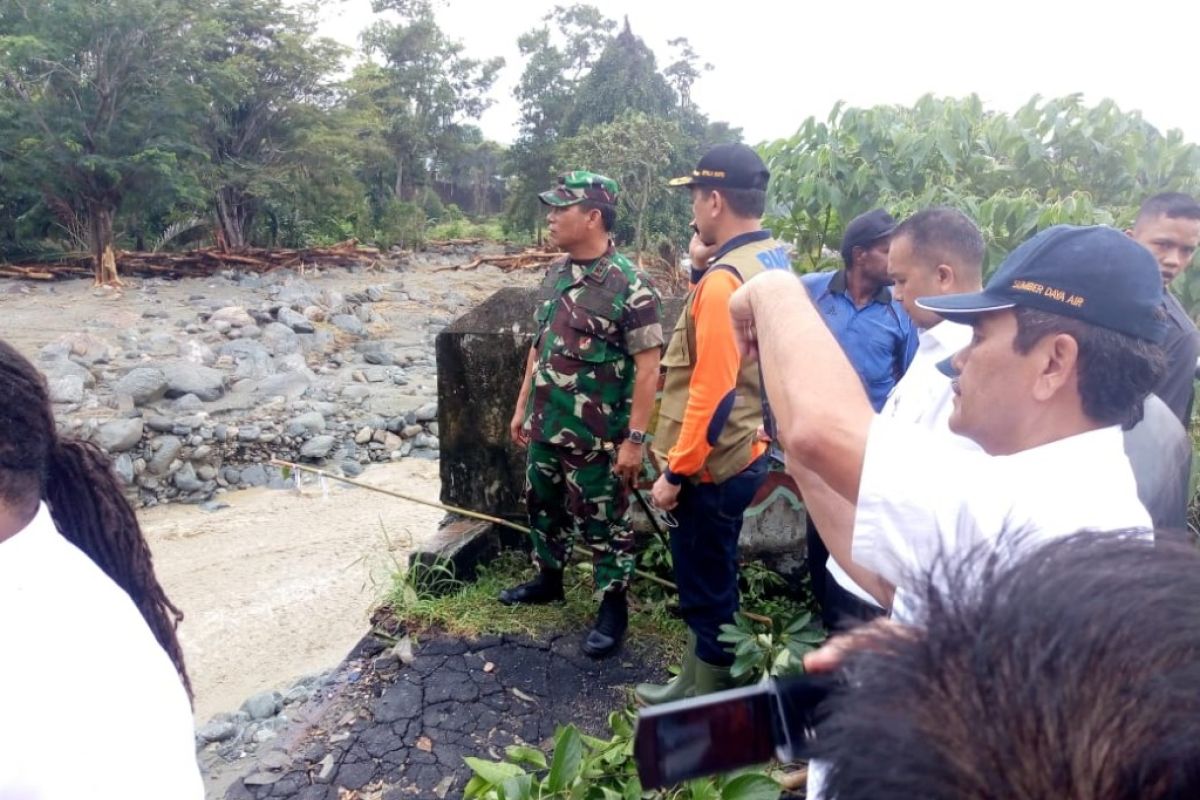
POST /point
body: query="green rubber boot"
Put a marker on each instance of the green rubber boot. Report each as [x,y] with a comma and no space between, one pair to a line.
[679,687]
[710,678]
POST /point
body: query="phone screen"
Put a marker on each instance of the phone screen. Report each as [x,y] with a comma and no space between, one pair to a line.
[705,735]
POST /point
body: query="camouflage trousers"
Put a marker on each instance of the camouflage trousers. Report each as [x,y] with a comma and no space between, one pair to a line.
[570,492]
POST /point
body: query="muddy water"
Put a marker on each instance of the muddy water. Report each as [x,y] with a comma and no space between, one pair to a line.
[280,584]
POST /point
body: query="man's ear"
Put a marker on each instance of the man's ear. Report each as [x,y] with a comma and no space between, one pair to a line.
[1060,354]
[945,275]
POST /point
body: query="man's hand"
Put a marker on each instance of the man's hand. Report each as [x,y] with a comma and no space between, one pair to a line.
[517,430]
[743,301]
[872,636]
[665,494]
[700,252]
[629,462]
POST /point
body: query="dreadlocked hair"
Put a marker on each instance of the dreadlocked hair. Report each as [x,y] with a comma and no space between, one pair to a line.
[76,481]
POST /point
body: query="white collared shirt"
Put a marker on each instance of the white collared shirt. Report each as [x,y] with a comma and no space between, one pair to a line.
[922,496]
[923,397]
[90,704]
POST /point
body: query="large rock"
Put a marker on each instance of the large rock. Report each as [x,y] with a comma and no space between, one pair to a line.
[393,405]
[123,466]
[167,449]
[311,422]
[186,481]
[143,384]
[185,378]
[236,316]
[119,434]
[263,705]
[318,446]
[296,321]
[66,389]
[64,368]
[255,475]
[281,339]
[290,385]
[350,324]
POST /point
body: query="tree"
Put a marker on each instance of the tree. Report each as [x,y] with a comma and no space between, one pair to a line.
[634,149]
[97,104]
[425,84]
[624,78]
[685,70]
[1053,161]
[555,64]
[268,78]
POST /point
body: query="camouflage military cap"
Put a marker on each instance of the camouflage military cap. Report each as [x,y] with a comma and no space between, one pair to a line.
[580,185]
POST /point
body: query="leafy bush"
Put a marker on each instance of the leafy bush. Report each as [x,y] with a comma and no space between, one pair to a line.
[586,768]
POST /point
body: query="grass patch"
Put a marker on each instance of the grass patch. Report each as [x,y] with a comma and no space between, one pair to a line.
[430,597]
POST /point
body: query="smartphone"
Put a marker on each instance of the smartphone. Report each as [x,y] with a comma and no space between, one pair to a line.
[724,731]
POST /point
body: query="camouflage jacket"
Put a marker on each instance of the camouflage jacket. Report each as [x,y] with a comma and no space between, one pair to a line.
[589,328]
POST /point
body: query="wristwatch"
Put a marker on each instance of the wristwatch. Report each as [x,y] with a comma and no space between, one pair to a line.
[637,437]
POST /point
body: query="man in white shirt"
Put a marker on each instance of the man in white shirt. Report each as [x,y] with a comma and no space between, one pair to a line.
[937,251]
[1064,351]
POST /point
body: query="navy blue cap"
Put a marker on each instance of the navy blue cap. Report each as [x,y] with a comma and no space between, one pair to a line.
[1095,274]
[865,229]
[730,166]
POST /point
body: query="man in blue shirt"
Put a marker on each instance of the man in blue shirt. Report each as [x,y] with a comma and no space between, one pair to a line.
[879,340]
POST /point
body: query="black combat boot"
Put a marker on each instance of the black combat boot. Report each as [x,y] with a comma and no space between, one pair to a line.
[610,626]
[546,587]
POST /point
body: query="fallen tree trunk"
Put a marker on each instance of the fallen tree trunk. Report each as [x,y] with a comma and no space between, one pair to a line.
[201,263]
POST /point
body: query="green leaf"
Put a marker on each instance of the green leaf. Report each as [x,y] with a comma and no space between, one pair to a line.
[703,789]
[798,624]
[752,786]
[494,772]
[568,758]
[520,754]
[518,787]
[475,787]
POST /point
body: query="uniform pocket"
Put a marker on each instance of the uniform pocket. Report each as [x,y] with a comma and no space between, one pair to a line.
[678,352]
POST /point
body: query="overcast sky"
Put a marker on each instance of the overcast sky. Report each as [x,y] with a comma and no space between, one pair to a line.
[776,63]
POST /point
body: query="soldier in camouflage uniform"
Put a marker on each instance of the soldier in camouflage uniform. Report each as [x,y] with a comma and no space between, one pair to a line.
[590,382]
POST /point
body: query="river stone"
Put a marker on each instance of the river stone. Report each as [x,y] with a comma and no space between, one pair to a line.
[310,422]
[218,731]
[119,434]
[67,389]
[296,321]
[318,446]
[378,357]
[143,384]
[66,368]
[280,339]
[290,385]
[263,705]
[184,378]
[166,450]
[353,392]
[123,465]
[349,323]
[160,424]
[363,436]
[185,479]
[424,440]
[236,316]
[427,412]
[254,475]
